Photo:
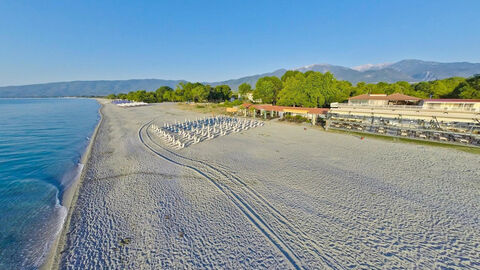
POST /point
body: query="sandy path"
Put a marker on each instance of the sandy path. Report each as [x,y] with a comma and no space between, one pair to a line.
[272,197]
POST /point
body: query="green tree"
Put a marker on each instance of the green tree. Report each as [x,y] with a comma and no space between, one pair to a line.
[359,89]
[131,95]
[452,83]
[344,90]
[469,89]
[199,93]
[439,89]
[122,96]
[142,95]
[169,96]
[149,97]
[290,73]
[468,92]
[219,93]
[391,88]
[244,89]
[327,87]
[404,87]
[293,92]
[224,91]
[313,89]
[307,73]
[267,89]
[184,91]
[160,92]
[424,87]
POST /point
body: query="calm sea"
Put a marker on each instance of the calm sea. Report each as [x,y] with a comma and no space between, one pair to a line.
[41,143]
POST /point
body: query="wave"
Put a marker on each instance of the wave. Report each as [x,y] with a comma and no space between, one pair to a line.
[67,181]
[62,212]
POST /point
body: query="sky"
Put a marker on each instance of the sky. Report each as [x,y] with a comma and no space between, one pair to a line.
[48,41]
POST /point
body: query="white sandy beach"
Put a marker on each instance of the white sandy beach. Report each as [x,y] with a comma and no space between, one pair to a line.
[273,197]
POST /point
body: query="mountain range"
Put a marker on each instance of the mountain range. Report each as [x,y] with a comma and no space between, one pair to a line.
[405,70]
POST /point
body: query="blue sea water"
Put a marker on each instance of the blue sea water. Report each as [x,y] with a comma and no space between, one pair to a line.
[41,144]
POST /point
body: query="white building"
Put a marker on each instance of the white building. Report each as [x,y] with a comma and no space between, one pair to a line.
[472,105]
[383,100]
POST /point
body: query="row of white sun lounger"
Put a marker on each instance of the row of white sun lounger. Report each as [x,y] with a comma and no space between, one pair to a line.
[180,135]
[132,104]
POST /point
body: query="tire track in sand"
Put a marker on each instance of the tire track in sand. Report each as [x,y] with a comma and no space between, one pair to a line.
[293,230]
[304,242]
[244,207]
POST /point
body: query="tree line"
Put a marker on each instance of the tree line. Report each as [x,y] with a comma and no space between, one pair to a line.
[315,89]
[309,89]
[195,92]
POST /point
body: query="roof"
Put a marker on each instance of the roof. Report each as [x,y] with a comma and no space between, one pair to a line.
[369,96]
[452,100]
[318,110]
[398,96]
[395,97]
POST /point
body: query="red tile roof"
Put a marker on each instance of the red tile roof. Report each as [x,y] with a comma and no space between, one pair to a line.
[318,110]
[398,96]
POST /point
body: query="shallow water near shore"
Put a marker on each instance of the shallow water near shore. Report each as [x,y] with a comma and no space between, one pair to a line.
[41,144]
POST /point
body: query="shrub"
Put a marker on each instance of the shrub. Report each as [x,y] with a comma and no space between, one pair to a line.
[296,119]
[229,104]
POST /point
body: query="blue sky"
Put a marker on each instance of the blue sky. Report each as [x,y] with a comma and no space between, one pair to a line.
[45,41]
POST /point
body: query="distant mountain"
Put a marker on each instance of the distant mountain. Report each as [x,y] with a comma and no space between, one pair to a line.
[349,74]
[428,71]
[252,80]
[371,66]
[83,88]
[405,70]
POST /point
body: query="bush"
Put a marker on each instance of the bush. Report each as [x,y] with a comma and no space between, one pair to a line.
[229,104]
[296,119]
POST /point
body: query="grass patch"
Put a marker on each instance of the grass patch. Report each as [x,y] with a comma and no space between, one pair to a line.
[230,104]
[464,148]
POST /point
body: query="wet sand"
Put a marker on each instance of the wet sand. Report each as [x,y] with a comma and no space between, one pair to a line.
[276,197]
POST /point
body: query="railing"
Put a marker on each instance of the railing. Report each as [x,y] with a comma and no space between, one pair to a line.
[411,107]
[381,106]
[412,132]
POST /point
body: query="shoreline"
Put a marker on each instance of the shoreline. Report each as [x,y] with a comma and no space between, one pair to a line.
[68,201]
[248,200]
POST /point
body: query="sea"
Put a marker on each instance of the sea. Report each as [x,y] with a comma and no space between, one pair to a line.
[41,145]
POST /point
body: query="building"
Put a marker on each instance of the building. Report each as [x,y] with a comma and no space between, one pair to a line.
[249,96]
[383,100]
[446,120]
[451,104]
